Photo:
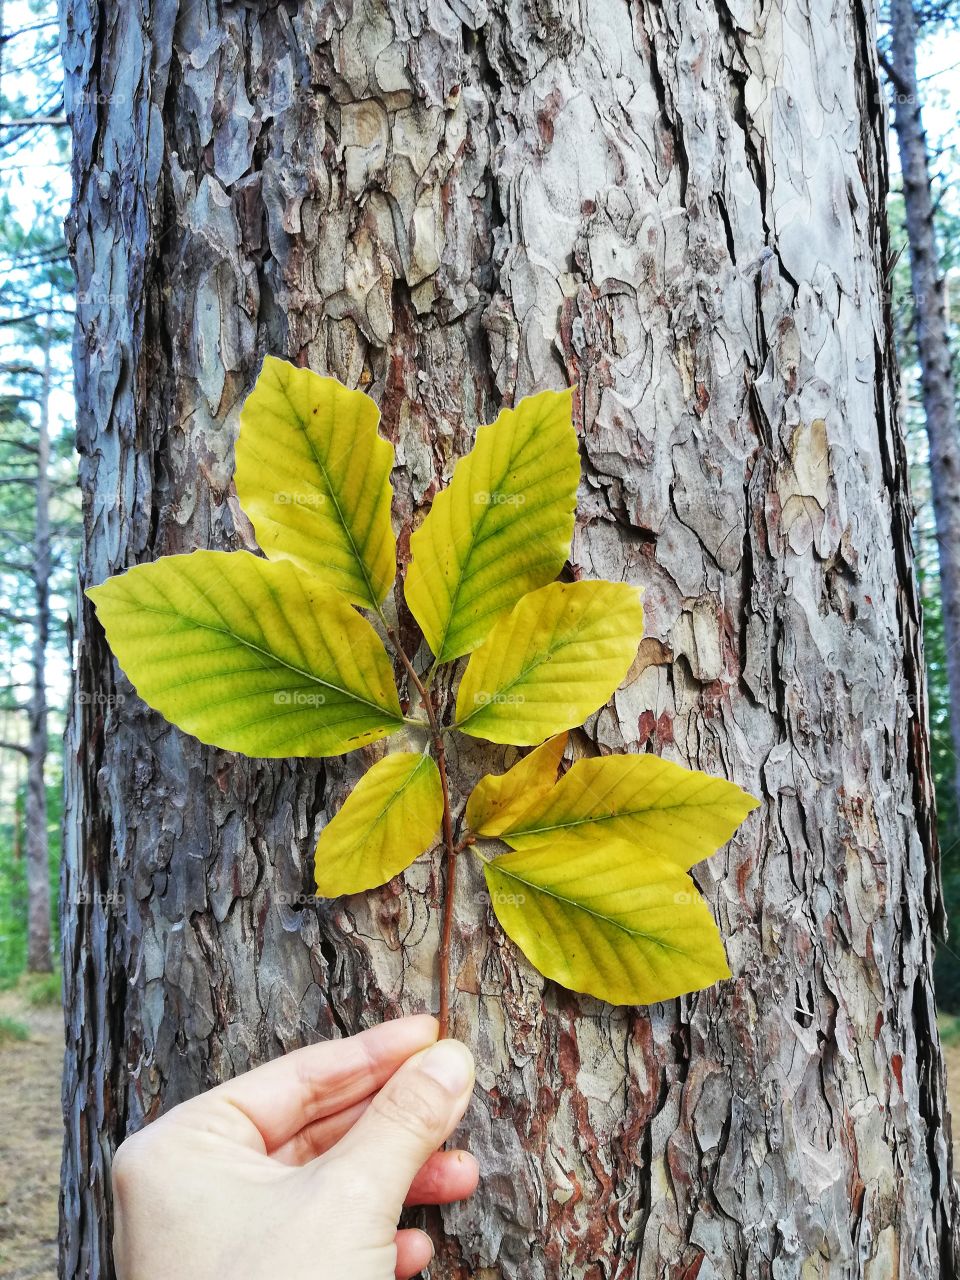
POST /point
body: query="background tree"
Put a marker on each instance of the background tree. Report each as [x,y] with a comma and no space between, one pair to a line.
[38,526]
[679,209]
[924,212]
[37,487]
[931,330]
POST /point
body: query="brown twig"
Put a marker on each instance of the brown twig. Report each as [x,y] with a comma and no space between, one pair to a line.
[446,931]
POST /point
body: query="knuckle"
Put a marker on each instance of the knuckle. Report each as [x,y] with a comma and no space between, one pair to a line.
[128,1165]
[417,1107]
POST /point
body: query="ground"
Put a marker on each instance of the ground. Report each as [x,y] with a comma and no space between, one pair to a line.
[31,1132]
[950,1039]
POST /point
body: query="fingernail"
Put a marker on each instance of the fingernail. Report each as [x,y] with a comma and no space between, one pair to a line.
[451,1064]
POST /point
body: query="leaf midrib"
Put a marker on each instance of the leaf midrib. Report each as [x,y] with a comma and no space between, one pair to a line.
[578,906]
[265,653]
[475,539]
[393,800]
[371,594]
[606,817]
[547,656]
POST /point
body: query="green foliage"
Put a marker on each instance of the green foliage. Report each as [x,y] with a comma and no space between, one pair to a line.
[13,883]
[41,990]
[942,759]
[11,1029]
[36,330]
[271,657]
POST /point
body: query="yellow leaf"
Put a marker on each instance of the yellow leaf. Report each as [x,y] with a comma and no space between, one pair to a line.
[314,478]
[500,529]
[390,818]
[607,920]
[500,801]
[250,655]
[551,662]
[659,807]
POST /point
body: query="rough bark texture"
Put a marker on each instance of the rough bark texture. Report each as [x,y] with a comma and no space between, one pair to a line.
[39,951]
[677,206]
[932,337]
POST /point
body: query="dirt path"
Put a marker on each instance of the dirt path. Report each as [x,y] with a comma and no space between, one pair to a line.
[31,1136]
[951,1054]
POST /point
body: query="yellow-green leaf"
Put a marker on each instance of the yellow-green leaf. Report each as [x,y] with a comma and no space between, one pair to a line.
[313,476]
[390,818]
[659,807]
[499,801]
[554,659]
[501,528]
[607,920]
[250,655]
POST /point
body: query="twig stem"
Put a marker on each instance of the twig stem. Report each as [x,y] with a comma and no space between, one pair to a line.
[446,931]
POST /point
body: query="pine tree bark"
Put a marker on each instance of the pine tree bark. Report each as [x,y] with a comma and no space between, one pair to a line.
[932,338]
[39,949]
[678,207]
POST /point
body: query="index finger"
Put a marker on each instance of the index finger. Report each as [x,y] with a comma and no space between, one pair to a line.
[282,1097]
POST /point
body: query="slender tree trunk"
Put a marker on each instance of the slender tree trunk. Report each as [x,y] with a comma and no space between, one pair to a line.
[39,952]
[2,52]
[933,340]
[678,207]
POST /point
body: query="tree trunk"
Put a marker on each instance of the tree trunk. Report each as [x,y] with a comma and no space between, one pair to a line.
[933,340]
[39,953]
[678,207]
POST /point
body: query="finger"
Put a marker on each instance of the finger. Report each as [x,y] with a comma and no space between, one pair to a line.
[281,1098]
[447,1176]
[414,1253]
[317,1138]
[404,1125]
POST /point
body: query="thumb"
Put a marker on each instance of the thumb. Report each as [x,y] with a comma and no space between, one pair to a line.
[411,1116]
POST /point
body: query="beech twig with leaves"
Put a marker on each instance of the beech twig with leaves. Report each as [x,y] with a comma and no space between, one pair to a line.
[273,657]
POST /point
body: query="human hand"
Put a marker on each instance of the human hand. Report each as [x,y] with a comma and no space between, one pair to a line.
[300,1168]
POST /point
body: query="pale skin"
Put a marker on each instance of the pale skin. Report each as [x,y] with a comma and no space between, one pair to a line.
[300,1168]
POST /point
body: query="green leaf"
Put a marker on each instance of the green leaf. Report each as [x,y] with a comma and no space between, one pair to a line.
[556,657]
[250,655]
[390,818]
[657,806]
[608,921]
[501,528]
[314,478]
[500,801]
